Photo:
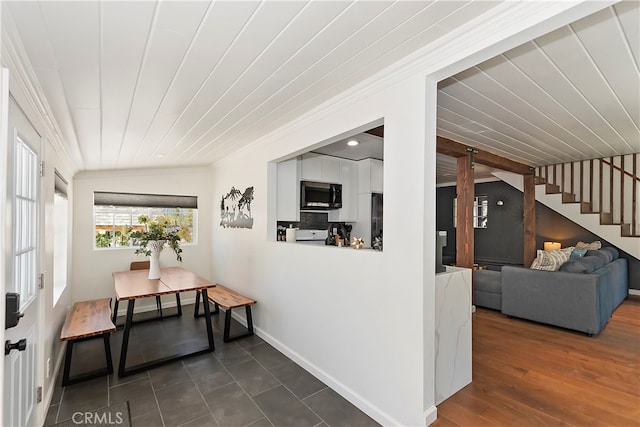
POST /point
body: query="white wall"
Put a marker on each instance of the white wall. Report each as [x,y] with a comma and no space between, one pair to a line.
[92,268]
[354,318]
[54,315]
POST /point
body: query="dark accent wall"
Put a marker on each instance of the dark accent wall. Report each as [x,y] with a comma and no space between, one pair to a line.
[501,243]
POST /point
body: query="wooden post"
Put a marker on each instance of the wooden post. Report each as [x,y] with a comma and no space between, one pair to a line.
[464,223]
[529,208]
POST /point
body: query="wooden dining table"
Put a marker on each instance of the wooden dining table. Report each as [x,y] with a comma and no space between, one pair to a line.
[134,284]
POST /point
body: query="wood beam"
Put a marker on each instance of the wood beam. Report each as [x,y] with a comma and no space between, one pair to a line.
[455,149]
[464,223]
[379,131]
[529,208]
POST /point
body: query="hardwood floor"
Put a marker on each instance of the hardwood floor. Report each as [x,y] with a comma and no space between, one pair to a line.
[525,373]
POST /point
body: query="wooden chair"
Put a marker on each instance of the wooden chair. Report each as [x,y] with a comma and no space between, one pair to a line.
[144,265]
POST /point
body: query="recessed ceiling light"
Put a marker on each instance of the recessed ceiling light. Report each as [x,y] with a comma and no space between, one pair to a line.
[352,143]
[160,156]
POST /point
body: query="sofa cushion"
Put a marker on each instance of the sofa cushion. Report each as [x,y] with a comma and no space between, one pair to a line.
[595,261]
[576,267]
[488,281]
[551,260]
[613,251]
[605,255]
[576,254]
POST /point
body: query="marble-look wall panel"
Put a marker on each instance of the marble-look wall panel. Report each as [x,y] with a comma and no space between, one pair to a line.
[453,332]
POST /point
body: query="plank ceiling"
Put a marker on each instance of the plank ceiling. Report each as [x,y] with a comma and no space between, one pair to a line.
[147,84]
[572,94]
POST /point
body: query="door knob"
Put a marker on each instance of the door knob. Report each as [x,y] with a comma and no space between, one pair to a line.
[20,346]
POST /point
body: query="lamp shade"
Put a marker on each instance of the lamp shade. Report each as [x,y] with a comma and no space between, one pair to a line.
[552,246]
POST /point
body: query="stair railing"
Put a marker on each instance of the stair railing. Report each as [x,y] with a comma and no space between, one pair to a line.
[607,186]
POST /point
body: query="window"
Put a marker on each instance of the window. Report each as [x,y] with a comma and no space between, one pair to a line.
[480,211]
[60,236]
[116,216]
[25,239]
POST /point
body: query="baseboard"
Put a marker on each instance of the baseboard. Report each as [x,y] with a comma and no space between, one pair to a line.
[634,291]
[54,374]
[430,415]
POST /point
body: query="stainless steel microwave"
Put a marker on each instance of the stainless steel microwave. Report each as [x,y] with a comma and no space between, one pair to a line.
[320,195]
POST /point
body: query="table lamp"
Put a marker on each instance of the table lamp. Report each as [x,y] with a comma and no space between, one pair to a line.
[551,246]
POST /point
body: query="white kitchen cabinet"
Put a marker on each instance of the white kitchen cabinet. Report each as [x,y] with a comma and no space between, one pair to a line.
[331,169]
[370,176]
[318,167]
[311,168]
[349,181]
[288,190]
[364,176]
[377,175]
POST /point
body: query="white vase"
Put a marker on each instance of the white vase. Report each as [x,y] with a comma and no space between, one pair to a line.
[156,247]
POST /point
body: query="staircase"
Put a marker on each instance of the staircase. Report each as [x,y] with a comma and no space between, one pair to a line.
[601,195]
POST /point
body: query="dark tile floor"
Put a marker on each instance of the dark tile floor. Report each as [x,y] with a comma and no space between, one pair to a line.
[243,383]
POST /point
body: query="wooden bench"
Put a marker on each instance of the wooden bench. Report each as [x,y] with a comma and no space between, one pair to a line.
[87,320]
[229,299]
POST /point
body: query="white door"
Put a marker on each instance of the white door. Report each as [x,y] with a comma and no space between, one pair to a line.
[22,261]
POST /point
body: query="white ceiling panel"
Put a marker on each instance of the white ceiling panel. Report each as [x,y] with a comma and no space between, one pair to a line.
[251,89]
[266,24]
[547,113]
[628,14]
[454,124]
[87,127]
[33,33]
[305,68]
[144,84]
[124,30]
[499,117]
[73,29]
[613,60]
[526,104]
[49,79]
[271,60]
[221,25]
[547,76]
[587,79]
[171,35]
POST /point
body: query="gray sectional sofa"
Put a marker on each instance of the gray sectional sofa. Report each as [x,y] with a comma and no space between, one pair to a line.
[581,296]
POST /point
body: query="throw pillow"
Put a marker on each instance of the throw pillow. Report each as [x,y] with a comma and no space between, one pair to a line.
[593,245]
[577,254]
[605,255]
[551,260]
[576,267]
[595,261]
[613,251]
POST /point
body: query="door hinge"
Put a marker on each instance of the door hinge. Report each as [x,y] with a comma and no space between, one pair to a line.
[41,281]
[39,394]
[42,168]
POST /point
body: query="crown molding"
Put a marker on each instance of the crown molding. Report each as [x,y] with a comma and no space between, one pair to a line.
[26,89]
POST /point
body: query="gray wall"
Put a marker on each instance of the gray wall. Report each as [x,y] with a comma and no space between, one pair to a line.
[502,241]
